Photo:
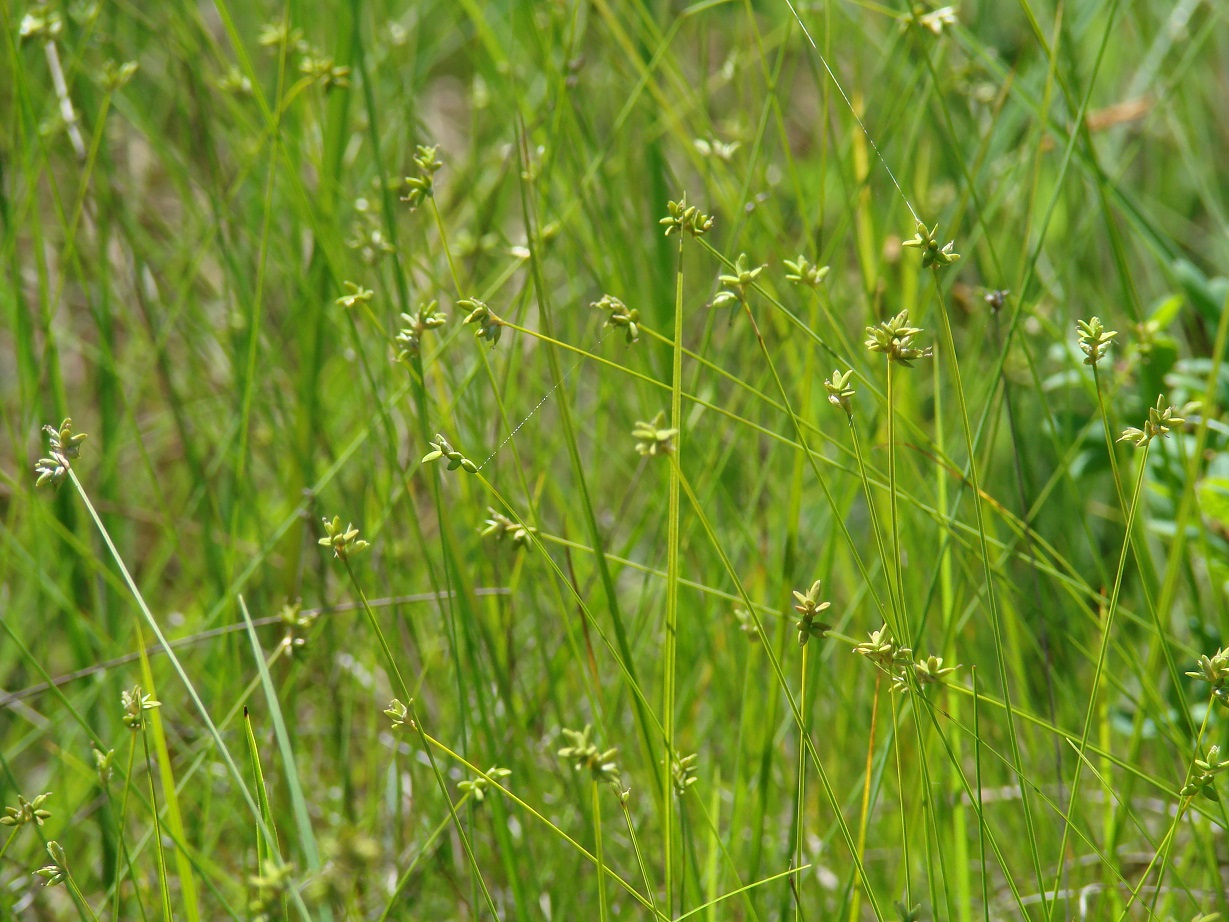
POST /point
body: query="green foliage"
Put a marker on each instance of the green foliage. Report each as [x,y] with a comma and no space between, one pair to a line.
[232,236]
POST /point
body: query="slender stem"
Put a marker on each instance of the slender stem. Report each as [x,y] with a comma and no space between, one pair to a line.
[802,777]
[153,804]
[898,569]
[125,855]
[856,899]
[672,585]
[9,840]
[904,815]
[1101,658]
[1163,850]
[597,851]
[78,896]
[231,767]
[644,869]
[416,724]
[897,628]
[996,626]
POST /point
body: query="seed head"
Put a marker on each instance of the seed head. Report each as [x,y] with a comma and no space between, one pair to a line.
[653,438]
[896,339]
[345,542]
[933,255]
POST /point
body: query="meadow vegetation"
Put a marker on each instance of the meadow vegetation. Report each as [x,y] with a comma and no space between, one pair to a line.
[614,459]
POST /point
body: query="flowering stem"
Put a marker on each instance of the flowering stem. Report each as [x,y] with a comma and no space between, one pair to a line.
[855,900]
[78,896]
[894,623]
[1101,657]
[597,850]
[802,769]
[9,841]
[672,585]
[416,724]
[153,803]
[1162,852]
[644,868]
[996,626]
[895,520]
[125,855]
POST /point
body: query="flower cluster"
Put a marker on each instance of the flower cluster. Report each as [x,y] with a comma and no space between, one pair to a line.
[686,218]
[1161,421]
[584,755]
[440,448]
[40,25]
[883,651]
[135,704]
[489,326]
[313,64]
[934,20]
[321,69]
[746,624]
[840,391]
[653,438]
[270,889]
[1095,339]
[499,526]
[1206,770]
[399,714]
[722,150]
[1214,670]
[63,446]
[297,623]
[932,254]
[801,272]
[57,871]
[355,294]
[422,185]
[737,283]
[417,324]
[104,765]
[345,542]
[683,770]
[26,811]
[477,787]
[618,315]
[898,662]
[897,340]
[928,671]
[810,607]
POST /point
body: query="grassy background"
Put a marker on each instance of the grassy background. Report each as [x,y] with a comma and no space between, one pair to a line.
[174,248]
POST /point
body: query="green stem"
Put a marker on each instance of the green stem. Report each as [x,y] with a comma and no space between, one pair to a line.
[77,895]
[9,841]
[672,582]
[855,901]
[416,723]
[897,628]
[904,814]
[802,766]
[644,868]
[125,855]
[996,625]
[232,768]
[898,569]
[153,803]
[1162,854]
[1101,658]
[597,851]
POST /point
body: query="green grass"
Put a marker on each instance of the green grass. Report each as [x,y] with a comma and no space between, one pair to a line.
[175,242]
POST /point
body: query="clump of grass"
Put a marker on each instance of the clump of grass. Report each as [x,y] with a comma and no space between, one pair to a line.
[185,202]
